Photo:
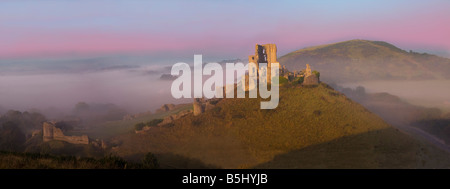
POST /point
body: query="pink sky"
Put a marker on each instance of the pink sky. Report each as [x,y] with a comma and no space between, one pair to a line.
[217,28]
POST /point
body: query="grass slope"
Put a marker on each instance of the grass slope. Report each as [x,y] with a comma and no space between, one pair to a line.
[312,127]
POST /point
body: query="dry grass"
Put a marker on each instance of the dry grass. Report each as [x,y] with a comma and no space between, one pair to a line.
[318,123]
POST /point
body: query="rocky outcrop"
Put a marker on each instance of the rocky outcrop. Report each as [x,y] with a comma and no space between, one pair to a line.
[165,121]
[173,117]
[198,106]
[51,132]
[201,105]
[165,108]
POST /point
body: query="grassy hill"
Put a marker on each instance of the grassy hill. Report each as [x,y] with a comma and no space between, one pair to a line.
[311,128]
[357,60]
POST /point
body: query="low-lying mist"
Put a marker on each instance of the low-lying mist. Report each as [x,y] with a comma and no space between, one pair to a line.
[427,93]
[417,107]
[54,86]
[57,94]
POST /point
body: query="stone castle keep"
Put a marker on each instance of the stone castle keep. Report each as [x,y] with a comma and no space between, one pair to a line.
[264,54]
[51,132]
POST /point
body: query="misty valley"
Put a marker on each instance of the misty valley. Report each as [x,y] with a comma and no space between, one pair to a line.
[427,93]
[126,117]
[224,93]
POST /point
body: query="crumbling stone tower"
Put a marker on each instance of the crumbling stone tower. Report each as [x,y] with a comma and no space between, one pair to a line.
[264,54]
[47,131]
[198,106]
[308,71]
[310,78]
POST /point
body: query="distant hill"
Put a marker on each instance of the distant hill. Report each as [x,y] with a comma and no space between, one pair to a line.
[311,128]
[357,60]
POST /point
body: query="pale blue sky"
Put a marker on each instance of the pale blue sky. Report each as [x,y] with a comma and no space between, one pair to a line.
[65,26]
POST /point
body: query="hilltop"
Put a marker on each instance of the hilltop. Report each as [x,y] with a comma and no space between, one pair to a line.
[313,127]
[357,60]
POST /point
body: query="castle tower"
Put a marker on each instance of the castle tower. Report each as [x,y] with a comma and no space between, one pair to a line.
[47,131]
[308,71]
[264,54]
[310,79]
[271,57]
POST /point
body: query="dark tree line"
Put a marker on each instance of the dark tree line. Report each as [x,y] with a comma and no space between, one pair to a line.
[14,125]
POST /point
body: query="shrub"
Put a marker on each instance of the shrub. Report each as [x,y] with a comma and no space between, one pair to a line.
[150,161]
[11,137]
[139,126]
[316,73]
[298,80]
[112,161]
[317,112]
[154,122]
[282,80]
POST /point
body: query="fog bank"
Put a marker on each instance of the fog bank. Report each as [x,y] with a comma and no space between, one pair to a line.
[133,90]
[427,93]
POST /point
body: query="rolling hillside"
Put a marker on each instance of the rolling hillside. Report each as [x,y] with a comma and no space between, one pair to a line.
[357,60]
[311,128]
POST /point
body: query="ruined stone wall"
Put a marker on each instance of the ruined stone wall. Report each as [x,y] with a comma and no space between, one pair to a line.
[198,106]
[264,54]
[201,105]
[165,108]
[271,53]
[50,132]
[47,131]
[173,117]
[308,71]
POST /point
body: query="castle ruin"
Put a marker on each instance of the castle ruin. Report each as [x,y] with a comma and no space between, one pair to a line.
[51,132]
[308,71]
[264,54]
[309,78]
